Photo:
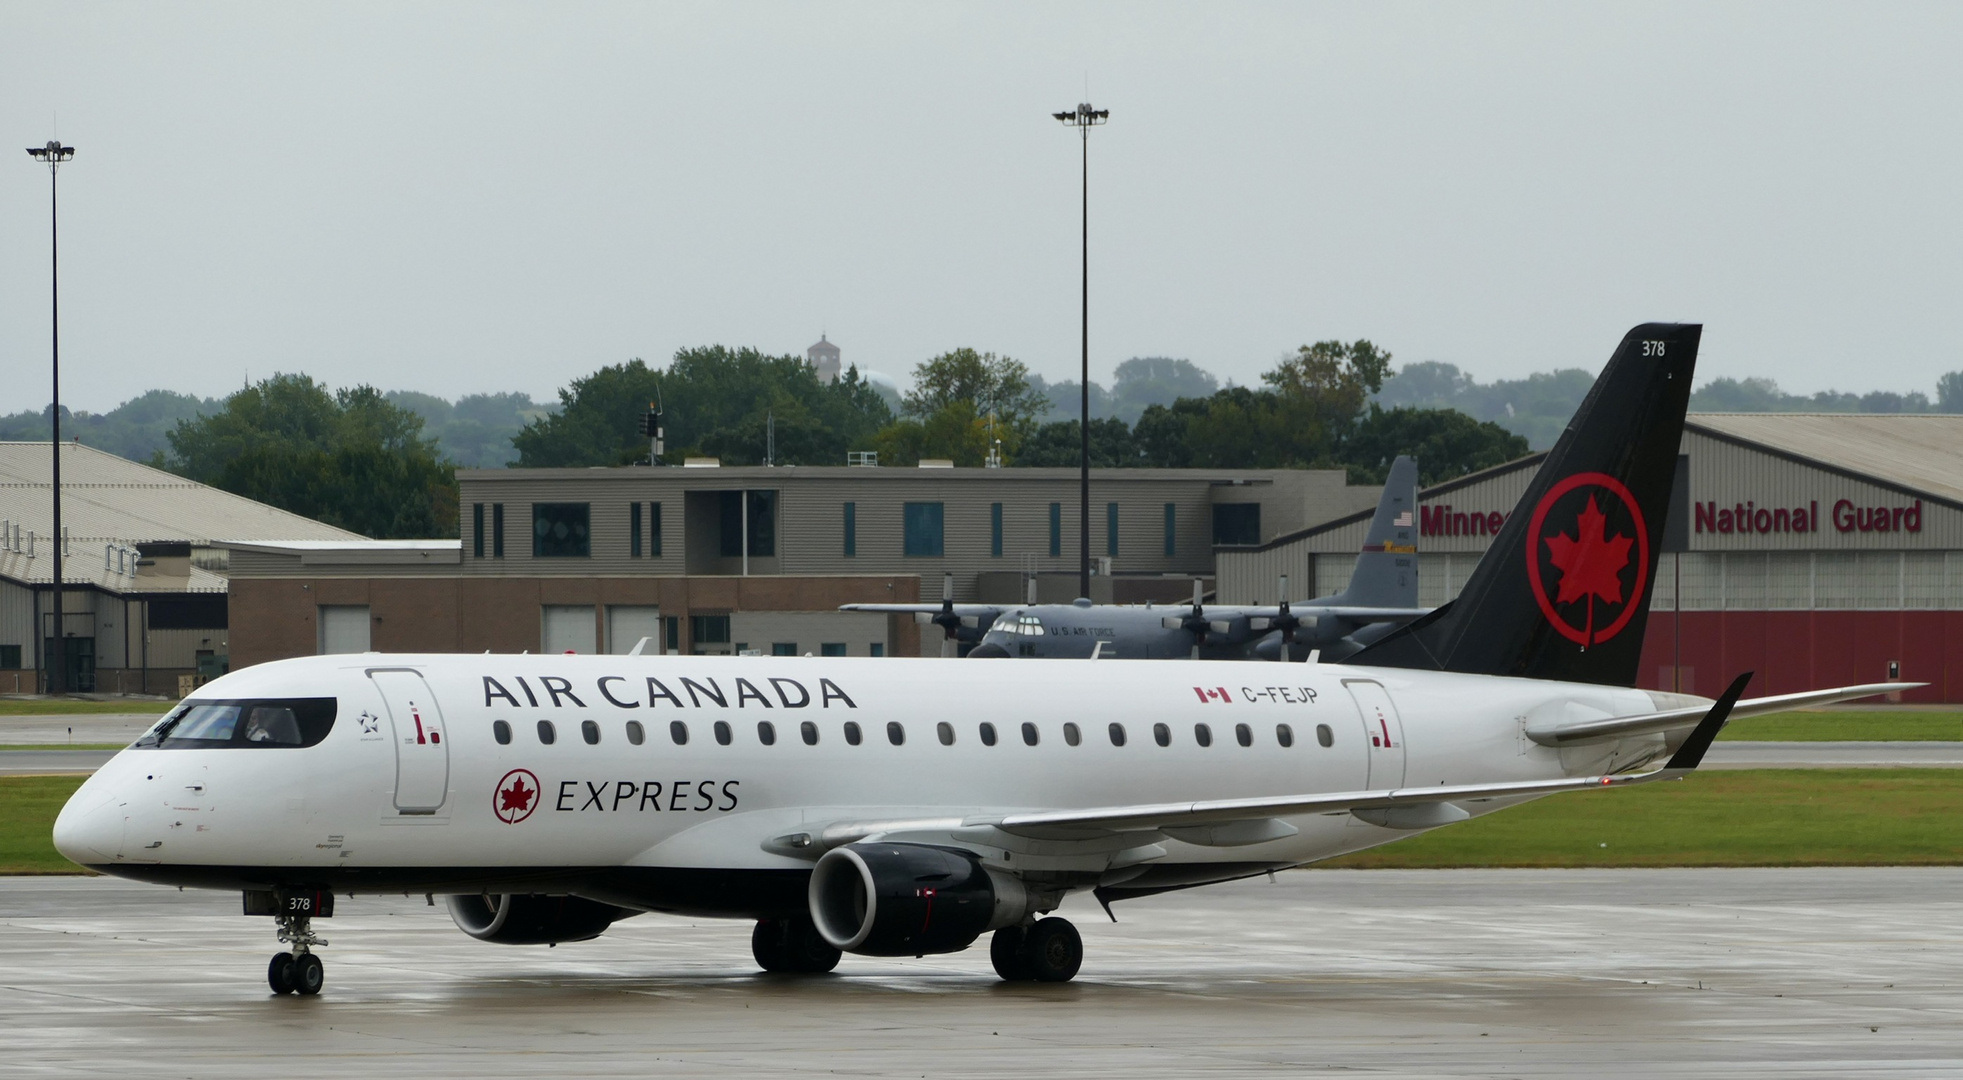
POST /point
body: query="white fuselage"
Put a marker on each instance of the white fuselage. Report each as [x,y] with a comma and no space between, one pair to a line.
[411,788]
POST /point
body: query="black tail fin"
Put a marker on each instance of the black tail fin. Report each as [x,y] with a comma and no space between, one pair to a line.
[1564,591]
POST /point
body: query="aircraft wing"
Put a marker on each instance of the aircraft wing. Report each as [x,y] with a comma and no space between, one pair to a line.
[1233,822]
[1339,611]
[1648,723]
[989,611]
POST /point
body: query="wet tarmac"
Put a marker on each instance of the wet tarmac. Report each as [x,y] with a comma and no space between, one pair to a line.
[1721,973]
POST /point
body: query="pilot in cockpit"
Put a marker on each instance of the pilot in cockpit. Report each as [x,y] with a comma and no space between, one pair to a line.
[274,724]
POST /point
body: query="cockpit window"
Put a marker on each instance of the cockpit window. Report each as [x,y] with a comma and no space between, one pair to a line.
[204,725]
[1019,623]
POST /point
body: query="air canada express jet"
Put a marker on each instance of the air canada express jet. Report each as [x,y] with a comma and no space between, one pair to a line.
[906,807]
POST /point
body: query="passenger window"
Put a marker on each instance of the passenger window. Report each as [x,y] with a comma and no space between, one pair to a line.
[895,734]
[1028,733]
[501,731]
[987,733]
[766,733]
[1243,735]
[946,731]
[1284,735]
[1117,734]
[1325,736]
[546,733]
[852,735]
[590,731]
[636,734]
[809,731]
[1203,734]
[1162,734]
[678,732]
[1071,735]
[722,733]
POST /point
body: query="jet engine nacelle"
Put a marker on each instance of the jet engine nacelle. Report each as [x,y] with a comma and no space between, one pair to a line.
[910,899]
[531,919]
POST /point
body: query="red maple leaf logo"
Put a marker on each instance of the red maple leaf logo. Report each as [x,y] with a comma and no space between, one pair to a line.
[516,797]
[1591,565]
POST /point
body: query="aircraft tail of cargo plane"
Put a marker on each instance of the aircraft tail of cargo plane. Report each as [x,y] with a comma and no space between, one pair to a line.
[900,808]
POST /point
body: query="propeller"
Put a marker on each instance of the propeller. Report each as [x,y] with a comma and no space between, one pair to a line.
[1194,623]
[947,620]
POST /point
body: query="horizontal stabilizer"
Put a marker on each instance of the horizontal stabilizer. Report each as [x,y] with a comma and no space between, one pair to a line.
[1649,723]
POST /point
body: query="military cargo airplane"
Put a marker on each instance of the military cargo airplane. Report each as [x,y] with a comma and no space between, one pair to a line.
[858,805]
[1382,595]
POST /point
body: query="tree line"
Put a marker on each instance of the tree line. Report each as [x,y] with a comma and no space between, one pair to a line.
[383,464]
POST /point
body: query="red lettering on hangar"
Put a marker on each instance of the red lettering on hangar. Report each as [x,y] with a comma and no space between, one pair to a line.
[1749,517]
[1445,521]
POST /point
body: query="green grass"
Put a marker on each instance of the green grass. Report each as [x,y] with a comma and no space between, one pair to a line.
[1755,817]
[63,746]
[28,805]
[1848,726]
[18,707]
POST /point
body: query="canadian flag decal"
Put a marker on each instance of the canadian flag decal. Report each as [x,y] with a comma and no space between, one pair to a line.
[1218,693]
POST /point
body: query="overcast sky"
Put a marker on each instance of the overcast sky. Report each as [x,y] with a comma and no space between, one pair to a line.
[460,197]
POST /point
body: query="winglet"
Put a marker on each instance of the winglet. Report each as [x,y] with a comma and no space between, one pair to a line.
[1699,740]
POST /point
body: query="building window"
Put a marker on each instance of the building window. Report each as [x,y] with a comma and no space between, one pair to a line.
[851,530]
[1056,529]
[497,530]
[783,648]
[832,648]
[477,530]
[1111,529]
[654,530]
[878,648]
[923,529]
[671,634]
[1237,523]
[762,523]
[9,656]
[709,629]
[995,530]
[1172,530]
[634,530]
[560,531]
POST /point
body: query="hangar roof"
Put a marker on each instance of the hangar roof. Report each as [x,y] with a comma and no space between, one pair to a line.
[109,501]
[1922,451]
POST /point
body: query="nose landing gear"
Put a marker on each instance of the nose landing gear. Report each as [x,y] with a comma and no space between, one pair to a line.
[299,971]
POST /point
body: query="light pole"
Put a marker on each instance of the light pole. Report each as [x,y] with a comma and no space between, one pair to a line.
[1084,119]
[54,154]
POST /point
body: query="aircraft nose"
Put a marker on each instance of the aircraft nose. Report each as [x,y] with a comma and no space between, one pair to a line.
[987,649]
[89,829]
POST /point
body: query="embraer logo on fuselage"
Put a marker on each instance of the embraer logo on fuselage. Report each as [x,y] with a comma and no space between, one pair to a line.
[702,694]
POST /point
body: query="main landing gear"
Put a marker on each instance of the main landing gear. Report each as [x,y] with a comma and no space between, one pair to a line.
[1047,950]
[792,946]
[299,971]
